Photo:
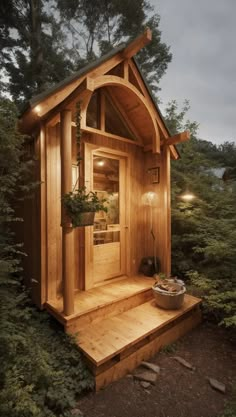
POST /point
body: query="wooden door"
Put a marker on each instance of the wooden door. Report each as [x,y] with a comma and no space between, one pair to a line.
[106,257]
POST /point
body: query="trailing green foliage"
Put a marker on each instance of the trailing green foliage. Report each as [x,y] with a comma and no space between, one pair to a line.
[42,372]
[204,230]
[82,201]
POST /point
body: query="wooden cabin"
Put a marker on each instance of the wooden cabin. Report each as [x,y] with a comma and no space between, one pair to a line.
[89,278]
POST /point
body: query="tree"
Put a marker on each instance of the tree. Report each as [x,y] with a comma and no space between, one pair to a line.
[32,49]
[203,231]
[96,27]
[44,41]
[13,182]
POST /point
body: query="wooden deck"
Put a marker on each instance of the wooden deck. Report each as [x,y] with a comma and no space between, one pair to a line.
[118,325]
[103,301]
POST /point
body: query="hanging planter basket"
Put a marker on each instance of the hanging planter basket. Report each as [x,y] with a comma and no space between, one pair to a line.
[85,219]
[81,206]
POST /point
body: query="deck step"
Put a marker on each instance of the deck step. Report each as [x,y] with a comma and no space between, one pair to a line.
[107,301]
[117,344]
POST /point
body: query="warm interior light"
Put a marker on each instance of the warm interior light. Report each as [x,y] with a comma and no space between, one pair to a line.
[187,196]
[100,162]
[37,109]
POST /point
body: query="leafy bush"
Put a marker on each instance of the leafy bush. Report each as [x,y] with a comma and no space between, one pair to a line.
[42,372]
[204,230]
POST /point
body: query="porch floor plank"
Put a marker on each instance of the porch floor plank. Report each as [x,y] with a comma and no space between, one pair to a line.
[109,293]
[104,340]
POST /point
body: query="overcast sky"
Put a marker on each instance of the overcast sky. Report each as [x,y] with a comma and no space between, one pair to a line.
[202,37]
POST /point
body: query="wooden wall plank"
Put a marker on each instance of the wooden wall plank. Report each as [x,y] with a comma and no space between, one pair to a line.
[43,216]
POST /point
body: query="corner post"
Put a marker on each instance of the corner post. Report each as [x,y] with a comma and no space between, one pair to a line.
[67,230]
[166,210]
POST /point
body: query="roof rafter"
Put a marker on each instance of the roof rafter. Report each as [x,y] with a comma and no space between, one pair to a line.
[137,44]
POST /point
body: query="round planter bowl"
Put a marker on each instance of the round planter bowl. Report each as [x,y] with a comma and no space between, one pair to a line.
[168,300]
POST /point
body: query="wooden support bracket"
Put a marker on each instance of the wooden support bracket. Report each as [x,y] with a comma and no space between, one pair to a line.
[179,138]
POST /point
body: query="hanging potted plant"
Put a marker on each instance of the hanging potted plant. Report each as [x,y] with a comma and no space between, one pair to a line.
[82,205]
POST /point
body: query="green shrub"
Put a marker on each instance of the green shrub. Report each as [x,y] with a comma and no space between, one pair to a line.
[42,372]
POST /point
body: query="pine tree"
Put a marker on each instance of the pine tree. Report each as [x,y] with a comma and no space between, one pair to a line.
[96,27]
[32,53]
[14,184]
[204,230]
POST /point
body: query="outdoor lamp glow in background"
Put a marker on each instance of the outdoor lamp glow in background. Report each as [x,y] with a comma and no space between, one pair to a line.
[187,196]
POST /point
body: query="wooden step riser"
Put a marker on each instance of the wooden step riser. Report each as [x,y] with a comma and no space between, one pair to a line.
[110,310]
[121,365]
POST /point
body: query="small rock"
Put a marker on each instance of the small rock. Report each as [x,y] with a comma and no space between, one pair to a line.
[217,385]
[152,366]
[147,376]
[145,384]
[76,412]
[129,376]
[184,362]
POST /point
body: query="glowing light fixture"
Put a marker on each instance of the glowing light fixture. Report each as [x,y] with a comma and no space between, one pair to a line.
[100,162]
[149,199]
[187,196]
[37,110]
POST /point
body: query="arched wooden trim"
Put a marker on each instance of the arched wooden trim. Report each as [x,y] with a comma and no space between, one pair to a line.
[112,80]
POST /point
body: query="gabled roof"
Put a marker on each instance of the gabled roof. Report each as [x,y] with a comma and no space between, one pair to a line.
[57,94]
[78,74]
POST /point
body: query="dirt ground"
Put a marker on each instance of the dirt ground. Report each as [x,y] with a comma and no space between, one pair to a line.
[178,391]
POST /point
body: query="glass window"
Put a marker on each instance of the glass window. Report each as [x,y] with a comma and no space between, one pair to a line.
[114,122]
[93,111]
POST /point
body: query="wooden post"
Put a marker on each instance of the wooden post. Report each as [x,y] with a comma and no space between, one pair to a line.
[166,221]
[67,230]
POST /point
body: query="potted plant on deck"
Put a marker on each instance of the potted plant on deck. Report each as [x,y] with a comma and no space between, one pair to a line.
[81,206]
[168,292]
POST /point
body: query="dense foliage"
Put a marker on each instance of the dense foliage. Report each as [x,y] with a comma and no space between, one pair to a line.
[13,184]
[42,372]
[41,42]
[34,379]
[204,230]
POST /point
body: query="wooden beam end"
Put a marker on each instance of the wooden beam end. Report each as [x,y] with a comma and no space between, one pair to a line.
[137,44]
[148,34]
[179,138]
[89,84]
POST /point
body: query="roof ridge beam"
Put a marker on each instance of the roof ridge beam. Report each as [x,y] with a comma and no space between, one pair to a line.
[138,43]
